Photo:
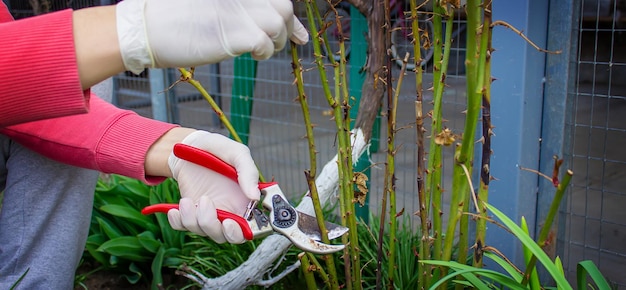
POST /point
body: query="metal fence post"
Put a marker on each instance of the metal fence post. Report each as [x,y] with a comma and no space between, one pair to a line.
[560,74]
[516,106]
[158,96]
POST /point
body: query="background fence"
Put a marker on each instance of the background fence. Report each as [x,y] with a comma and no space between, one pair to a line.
[593,222]
[595,219]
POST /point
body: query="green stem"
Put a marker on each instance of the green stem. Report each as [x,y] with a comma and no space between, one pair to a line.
[310,175]
[448,239]
[485,175]
[547,225]
[433,186]
[307,271]
[464,154]
[424,246]
[390,172]
[187,76]
[340,110]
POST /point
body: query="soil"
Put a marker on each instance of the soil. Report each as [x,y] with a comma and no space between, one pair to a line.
[108,280]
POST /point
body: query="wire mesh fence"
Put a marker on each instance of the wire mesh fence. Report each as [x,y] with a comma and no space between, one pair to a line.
[595,227]
[21,9]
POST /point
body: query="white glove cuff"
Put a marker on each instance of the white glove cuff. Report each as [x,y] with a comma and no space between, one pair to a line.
[132,36]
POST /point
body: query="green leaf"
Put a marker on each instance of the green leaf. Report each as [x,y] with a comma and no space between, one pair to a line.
[559,265]
[171,237]
[108,228]
[109,197]
[149,242]
[137,190]
[136,274]
[585,268]
[461,269]
[157,265]
[505,265]
[127,248]
[542,257]
[133,215]
[92,245]
[534,276]
[19,280]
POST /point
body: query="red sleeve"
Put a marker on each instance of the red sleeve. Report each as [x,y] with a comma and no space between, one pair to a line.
[5,16]
[107,139]
[38,70]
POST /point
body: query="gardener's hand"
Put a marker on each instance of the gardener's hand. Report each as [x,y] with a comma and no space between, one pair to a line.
[203,190]
[183,33]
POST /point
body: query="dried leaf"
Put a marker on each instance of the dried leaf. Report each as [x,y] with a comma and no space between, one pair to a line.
[445,137]
[360,194]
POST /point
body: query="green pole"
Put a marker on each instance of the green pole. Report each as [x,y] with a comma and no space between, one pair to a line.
[245,69]
[358,55]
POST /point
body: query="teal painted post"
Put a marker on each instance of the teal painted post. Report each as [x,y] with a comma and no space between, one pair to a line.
[358,54]
[245,69]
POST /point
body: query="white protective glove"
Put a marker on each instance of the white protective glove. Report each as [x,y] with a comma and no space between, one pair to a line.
[184,33]
[203,190]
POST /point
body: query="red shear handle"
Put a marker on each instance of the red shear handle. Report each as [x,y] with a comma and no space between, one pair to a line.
[205,159]
[210,161]
[221,216]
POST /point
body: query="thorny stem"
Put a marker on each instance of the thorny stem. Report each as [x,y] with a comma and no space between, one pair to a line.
[424,247]
[464,153]
[447,240]
[307,271]
[340,113]
[325,277]
[485,174]
[521,34]
[311,174]
[433,188]
[390,175]
[392,104]
[187,76]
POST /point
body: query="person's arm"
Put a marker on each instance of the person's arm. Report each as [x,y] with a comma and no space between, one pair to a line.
[48,62]
[116,141]
[97,49]
[38,74]
[107,139]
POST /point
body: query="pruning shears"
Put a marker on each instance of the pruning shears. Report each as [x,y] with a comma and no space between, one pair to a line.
[301,229]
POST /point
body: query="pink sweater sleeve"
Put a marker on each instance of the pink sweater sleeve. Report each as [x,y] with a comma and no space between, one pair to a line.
[107,139]
[38,70]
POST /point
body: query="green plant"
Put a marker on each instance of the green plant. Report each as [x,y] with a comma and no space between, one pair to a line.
[124,240]
[512,278]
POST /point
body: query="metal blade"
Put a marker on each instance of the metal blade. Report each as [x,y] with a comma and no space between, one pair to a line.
[300,240]
[308,225]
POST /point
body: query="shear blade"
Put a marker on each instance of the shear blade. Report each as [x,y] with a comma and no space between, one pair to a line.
[303,242]
[308,225]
